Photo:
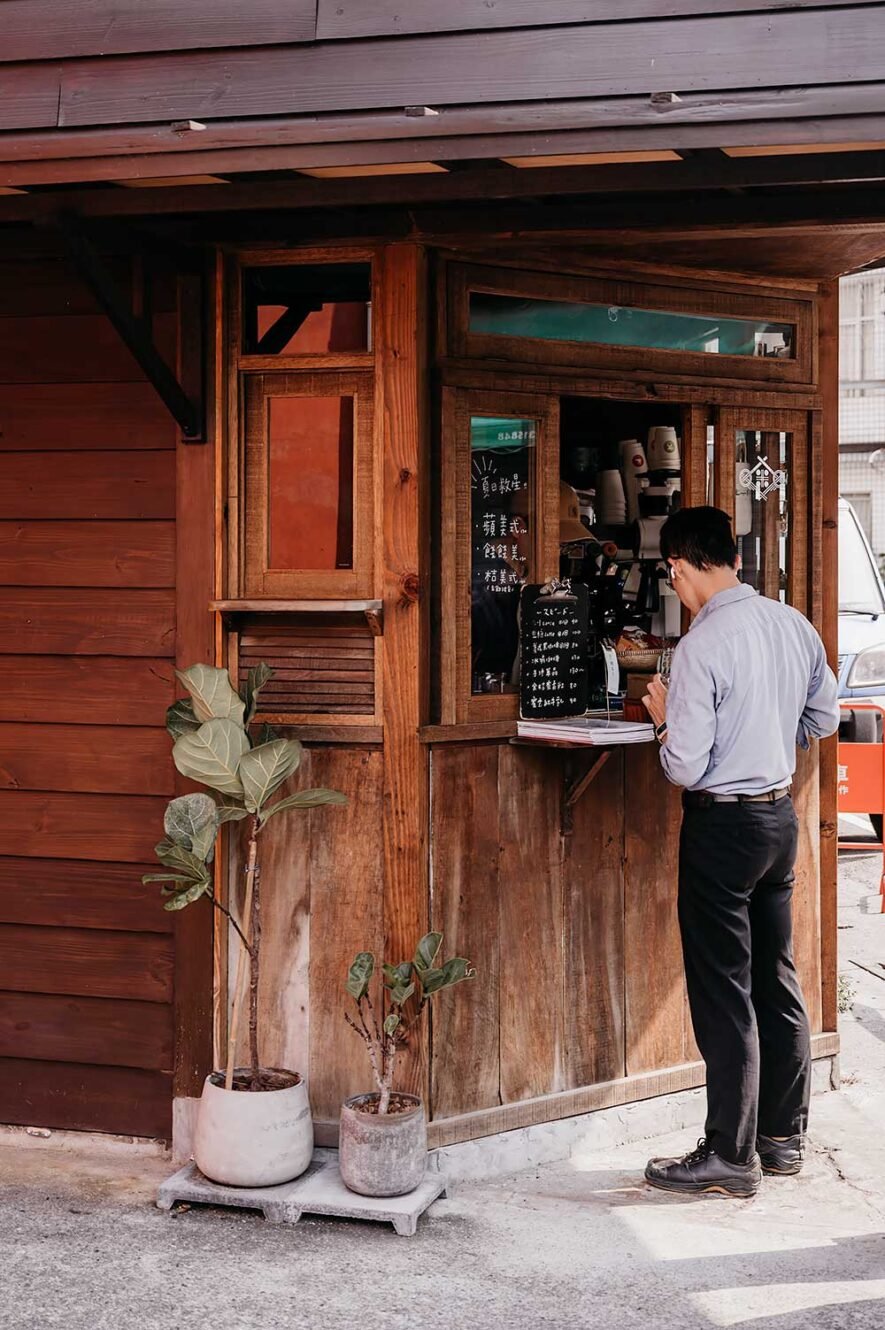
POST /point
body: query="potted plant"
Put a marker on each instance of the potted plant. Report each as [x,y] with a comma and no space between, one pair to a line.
[254,1126]
[383,1136]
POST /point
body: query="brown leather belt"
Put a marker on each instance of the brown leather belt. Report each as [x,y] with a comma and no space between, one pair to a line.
[704,798]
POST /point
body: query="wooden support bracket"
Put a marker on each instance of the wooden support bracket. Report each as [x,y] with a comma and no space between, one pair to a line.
[135,332]
[574,786]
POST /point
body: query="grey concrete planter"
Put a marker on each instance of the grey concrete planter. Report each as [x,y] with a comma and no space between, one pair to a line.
[257,1139]
[382,1156]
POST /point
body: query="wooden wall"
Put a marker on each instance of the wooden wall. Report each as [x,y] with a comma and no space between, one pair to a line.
[87,640]
[575,938]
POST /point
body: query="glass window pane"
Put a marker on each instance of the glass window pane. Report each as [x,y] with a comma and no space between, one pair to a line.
[306,309]
[310,482]
[621,325]
[761,517]
[502,515]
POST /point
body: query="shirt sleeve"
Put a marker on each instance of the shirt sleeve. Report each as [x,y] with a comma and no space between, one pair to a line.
[691,717]
[820,715]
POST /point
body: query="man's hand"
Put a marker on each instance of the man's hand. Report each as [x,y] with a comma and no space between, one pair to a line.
[656,701]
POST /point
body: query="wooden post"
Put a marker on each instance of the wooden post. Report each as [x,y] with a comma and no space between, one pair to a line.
[402,553]
[825,463]
[194,641]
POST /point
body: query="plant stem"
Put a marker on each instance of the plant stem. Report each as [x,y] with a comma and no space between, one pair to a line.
[225,911]
[239,983]
[254,952]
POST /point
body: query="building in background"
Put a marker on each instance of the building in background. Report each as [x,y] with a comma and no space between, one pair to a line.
[862,401]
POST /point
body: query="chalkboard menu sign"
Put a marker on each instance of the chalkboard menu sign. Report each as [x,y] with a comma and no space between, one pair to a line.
[554,634]
[502,528]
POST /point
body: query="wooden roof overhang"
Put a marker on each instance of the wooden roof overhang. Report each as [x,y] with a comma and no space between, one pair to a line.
[675,129]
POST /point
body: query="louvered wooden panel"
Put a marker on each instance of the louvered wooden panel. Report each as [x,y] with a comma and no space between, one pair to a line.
[323,664]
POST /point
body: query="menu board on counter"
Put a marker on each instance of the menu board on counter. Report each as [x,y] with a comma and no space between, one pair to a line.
[554,636]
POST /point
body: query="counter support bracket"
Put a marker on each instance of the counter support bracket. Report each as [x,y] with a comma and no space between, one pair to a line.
[574,786]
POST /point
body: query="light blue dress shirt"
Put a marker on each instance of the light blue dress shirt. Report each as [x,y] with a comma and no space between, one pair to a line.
[748,682]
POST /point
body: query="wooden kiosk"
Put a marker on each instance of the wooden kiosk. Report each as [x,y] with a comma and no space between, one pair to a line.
[579,999]
[245,417]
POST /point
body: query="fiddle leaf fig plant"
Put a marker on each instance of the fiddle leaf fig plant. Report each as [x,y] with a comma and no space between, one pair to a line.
[214,747]
[406,990]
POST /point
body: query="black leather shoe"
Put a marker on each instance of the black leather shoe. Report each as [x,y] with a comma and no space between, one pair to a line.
[782,1157]
[704,1171]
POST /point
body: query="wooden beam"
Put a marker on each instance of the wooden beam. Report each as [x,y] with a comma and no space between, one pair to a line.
[194,641]
[403,557]
[828,461]
[338,19]
[586,1099]
[761,106]
[624,145]
[46,30]
[787,47]
[133,331]
[482,186]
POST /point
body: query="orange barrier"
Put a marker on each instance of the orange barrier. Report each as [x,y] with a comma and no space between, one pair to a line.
[861,783]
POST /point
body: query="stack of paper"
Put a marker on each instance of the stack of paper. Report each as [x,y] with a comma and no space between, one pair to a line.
[596,730]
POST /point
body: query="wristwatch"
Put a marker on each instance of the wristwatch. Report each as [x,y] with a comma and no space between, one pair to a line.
[661,731]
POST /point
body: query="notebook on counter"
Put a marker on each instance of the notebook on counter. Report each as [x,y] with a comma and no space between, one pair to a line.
[598,730]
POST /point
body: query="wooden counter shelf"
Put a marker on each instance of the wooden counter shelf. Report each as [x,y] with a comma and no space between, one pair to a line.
[372,610]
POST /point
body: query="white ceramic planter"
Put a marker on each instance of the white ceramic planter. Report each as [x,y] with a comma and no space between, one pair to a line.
[382,1156]
[252,1139]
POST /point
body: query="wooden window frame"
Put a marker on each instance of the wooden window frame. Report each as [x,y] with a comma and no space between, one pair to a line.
[306,584]
[287,258]
[802,572]
[458,704]
[461,343]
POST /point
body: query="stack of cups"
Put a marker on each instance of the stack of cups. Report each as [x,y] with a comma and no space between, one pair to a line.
[611,501]
[634,469]
[663,448]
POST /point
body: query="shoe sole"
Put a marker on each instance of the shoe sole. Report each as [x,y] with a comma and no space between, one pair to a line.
[781,1172]
[717,1188]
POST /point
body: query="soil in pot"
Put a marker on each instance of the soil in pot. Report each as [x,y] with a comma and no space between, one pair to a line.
[258,1134]
[382,1154]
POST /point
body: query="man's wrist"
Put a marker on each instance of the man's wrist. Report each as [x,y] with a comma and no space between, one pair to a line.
[661,731]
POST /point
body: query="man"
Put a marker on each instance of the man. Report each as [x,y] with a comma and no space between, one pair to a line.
[748,682]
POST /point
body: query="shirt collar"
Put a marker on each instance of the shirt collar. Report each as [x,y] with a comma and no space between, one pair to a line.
[730,596]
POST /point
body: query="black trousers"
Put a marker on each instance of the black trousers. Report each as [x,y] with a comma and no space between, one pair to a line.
[735,889]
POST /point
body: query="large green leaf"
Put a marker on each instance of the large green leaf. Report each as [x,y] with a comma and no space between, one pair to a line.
[401,993]
[179,899]
[359,974]
[263,770]
[257,677]
[192,821]
[212,755]
[427,951]
[452,972]
[304,799]
[180,860]
[212,693]
[231,812]
[181,718]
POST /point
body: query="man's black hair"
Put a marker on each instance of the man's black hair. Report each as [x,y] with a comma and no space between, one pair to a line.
[701,536]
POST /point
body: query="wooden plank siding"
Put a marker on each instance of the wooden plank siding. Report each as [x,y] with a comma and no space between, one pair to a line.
[44,30]
[769,49]
[337,19]
[87,625]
